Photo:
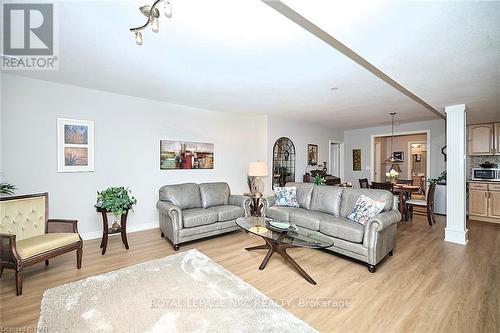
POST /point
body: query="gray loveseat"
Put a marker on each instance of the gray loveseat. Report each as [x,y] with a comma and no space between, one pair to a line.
[324,209]
[191,211]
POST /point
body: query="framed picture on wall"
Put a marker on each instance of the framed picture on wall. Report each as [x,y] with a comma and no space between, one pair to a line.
[312,154]
[186,155]
[400,155]
[75,145]
[356,159]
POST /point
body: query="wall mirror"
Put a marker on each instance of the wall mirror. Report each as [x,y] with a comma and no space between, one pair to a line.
[283,162]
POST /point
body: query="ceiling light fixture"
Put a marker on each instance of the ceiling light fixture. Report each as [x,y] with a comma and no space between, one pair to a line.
[153,14]
[393,159]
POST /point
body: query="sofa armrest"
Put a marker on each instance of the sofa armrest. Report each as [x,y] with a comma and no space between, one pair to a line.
[59,225]
[172,211]
[241,201]
[267,202]
[8,251]
[383,220]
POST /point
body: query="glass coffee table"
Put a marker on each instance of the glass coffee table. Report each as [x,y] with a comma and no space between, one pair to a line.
[279,241]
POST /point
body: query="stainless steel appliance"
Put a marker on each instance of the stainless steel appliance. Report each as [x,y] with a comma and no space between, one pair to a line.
[489,174]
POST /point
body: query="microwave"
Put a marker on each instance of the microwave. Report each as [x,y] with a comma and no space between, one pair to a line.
[486,174]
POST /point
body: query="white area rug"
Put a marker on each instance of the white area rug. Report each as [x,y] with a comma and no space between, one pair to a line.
[186,292]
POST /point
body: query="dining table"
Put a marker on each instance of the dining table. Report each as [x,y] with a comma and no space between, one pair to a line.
[404,192]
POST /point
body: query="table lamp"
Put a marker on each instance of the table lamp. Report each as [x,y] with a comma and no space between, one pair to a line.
[256,170]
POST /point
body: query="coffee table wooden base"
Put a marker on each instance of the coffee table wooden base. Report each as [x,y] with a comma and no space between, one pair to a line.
[280,248]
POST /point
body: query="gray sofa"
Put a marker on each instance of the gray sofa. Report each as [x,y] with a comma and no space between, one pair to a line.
[191,211]
[324,208]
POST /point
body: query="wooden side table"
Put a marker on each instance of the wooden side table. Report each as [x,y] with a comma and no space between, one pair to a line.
[106,230]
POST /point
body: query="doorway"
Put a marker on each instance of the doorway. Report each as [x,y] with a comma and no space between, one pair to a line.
[336,159]
[415,163]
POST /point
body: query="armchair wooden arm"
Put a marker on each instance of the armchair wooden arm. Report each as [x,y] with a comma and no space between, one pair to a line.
[8,252]
[61,225]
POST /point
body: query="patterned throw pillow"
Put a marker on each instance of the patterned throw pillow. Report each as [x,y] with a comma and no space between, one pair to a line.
[364,209]
[286,196]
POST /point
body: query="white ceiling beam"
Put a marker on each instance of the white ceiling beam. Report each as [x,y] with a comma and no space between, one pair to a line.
[286,11]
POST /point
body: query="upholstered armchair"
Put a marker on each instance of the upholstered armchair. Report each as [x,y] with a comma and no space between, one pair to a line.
[28,236]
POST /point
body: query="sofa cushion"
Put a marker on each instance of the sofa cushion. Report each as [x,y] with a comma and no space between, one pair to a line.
[280,213]
[364,209]
[340,227]
[308,219]
[351,195]
[304,193]
[286,196]
[183,196]
[29,247]
[228,212]
[195,217]
[326,199]
[214,194]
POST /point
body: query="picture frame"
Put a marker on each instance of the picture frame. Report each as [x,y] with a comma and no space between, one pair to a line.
[400,155]
[418,158]
[312,154]
[356,159]
[183,155]
[75,145]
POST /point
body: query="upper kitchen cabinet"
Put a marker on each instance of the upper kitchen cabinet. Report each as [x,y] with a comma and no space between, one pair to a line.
[497,138]
[481,138]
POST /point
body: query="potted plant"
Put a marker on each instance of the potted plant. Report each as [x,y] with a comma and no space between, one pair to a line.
[392,175]
[6,188]
[318,180]
[442,177]
[116,200]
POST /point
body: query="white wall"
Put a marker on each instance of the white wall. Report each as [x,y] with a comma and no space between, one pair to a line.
[361,138]
[127,133]
[301,135]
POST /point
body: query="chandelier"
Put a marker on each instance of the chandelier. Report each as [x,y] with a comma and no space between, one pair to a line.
[392,159]
[153,15]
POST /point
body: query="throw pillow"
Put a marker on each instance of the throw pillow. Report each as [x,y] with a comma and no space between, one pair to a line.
[286,196]
[365,208]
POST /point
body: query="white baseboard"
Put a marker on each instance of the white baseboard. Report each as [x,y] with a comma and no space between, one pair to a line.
[456,236]
[131,228]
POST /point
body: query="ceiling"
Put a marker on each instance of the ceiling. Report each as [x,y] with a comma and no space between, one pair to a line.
[244,57]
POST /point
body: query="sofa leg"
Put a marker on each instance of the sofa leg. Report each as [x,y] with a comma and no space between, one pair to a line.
[162,235]
[371,268]
[176,247]
[19,282]
[79,253]
[391,253]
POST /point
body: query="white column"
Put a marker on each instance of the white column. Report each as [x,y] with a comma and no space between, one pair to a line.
[456,228]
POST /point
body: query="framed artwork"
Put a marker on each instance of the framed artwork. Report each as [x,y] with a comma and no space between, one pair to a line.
[356,159]
[418,158]
[312,154]
[186,155]
[400,155]
[75,145]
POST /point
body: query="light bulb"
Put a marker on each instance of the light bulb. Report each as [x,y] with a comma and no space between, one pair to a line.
[155,24]
[168,8]
[138,38]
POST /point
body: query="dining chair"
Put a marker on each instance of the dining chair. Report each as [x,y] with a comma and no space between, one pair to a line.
[363,183]
[428,204]
[383,186]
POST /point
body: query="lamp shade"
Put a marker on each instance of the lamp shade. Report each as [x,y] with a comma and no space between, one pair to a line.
[258,169]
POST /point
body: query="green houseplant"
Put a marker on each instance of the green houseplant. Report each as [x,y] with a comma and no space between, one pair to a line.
[441,177]
[6,188]
[116,200]
[318,180]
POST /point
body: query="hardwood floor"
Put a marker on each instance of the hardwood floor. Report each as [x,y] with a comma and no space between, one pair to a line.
[427,286]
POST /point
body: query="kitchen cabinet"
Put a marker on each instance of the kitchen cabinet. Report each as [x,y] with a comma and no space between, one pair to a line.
[481,139]
[496,132]
[478,199]
[484,201]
